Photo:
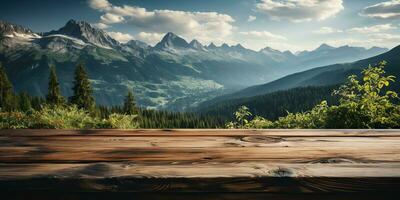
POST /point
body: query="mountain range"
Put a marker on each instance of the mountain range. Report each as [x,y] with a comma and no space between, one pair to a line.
[174,74]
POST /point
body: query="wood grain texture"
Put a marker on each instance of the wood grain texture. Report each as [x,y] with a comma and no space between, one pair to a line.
[266,161]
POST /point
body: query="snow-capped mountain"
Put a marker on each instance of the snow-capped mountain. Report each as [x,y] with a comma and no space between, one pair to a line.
[174,74]
[85,32]
[12,30]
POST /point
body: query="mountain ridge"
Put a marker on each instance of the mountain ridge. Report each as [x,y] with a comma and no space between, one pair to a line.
[321,76]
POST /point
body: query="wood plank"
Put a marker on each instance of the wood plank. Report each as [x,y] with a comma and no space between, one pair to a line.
[205,132]
[51,195]
[192,149]
[267,161]
[162,169]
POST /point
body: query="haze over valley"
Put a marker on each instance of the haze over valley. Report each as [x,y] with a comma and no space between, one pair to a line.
[174,74]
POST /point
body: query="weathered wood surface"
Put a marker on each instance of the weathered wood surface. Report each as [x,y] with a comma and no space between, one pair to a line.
[267,161]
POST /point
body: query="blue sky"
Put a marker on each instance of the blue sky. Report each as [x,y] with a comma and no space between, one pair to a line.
[281,24]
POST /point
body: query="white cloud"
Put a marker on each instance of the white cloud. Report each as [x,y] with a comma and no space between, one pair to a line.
[348,41]
[385,36]
[109,18]
[372,29]
[369,36]
[376,39]
[327,30]
[99,4]
[150,38]
[121,37]
[383,10]
[262,35]
[204,26]
[300,10]
[251,18]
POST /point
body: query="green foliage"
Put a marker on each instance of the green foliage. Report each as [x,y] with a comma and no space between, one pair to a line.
[120,121]
[242,116]
[56,114]
[7,99]
[364,103]
[165,119]
[82,89]
[15,120]
[24,102]
[259,122]
[68,117]
[64,117]
[312,119]
[54,96]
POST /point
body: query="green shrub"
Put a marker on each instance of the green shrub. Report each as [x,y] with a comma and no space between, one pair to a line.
[259,122]
[120,121]
[242,116]
[15,120]
[64,117]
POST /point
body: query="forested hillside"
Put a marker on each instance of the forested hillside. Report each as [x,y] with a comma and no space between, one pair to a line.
[276,104]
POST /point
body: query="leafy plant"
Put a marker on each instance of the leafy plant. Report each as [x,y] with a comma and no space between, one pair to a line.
[364,103]
[64,117]
[15,120]
[120,121]
[242,116]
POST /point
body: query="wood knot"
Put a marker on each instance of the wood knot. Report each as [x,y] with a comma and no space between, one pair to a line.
[333,160]
[262,139]
[281,172]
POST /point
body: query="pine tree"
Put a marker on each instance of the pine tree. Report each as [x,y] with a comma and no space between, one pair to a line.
[24,101]
[6,91]
[130,104]
[82,90]
[54,96]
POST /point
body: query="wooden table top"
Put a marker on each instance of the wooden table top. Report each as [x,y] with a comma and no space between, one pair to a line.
[267,161]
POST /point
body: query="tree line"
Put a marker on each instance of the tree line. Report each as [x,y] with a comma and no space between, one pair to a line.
[275,104]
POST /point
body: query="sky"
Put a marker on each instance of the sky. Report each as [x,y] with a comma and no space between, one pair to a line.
[293,25]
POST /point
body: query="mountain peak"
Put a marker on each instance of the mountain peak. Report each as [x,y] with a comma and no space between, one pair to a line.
[194,41]
[239,46]
[270,50]
[324,46]
[171,40]
[378,48]
[211,46]
[7,28]
[225,46]
[196,45]
[71,21]
[84,31]
[170,35]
